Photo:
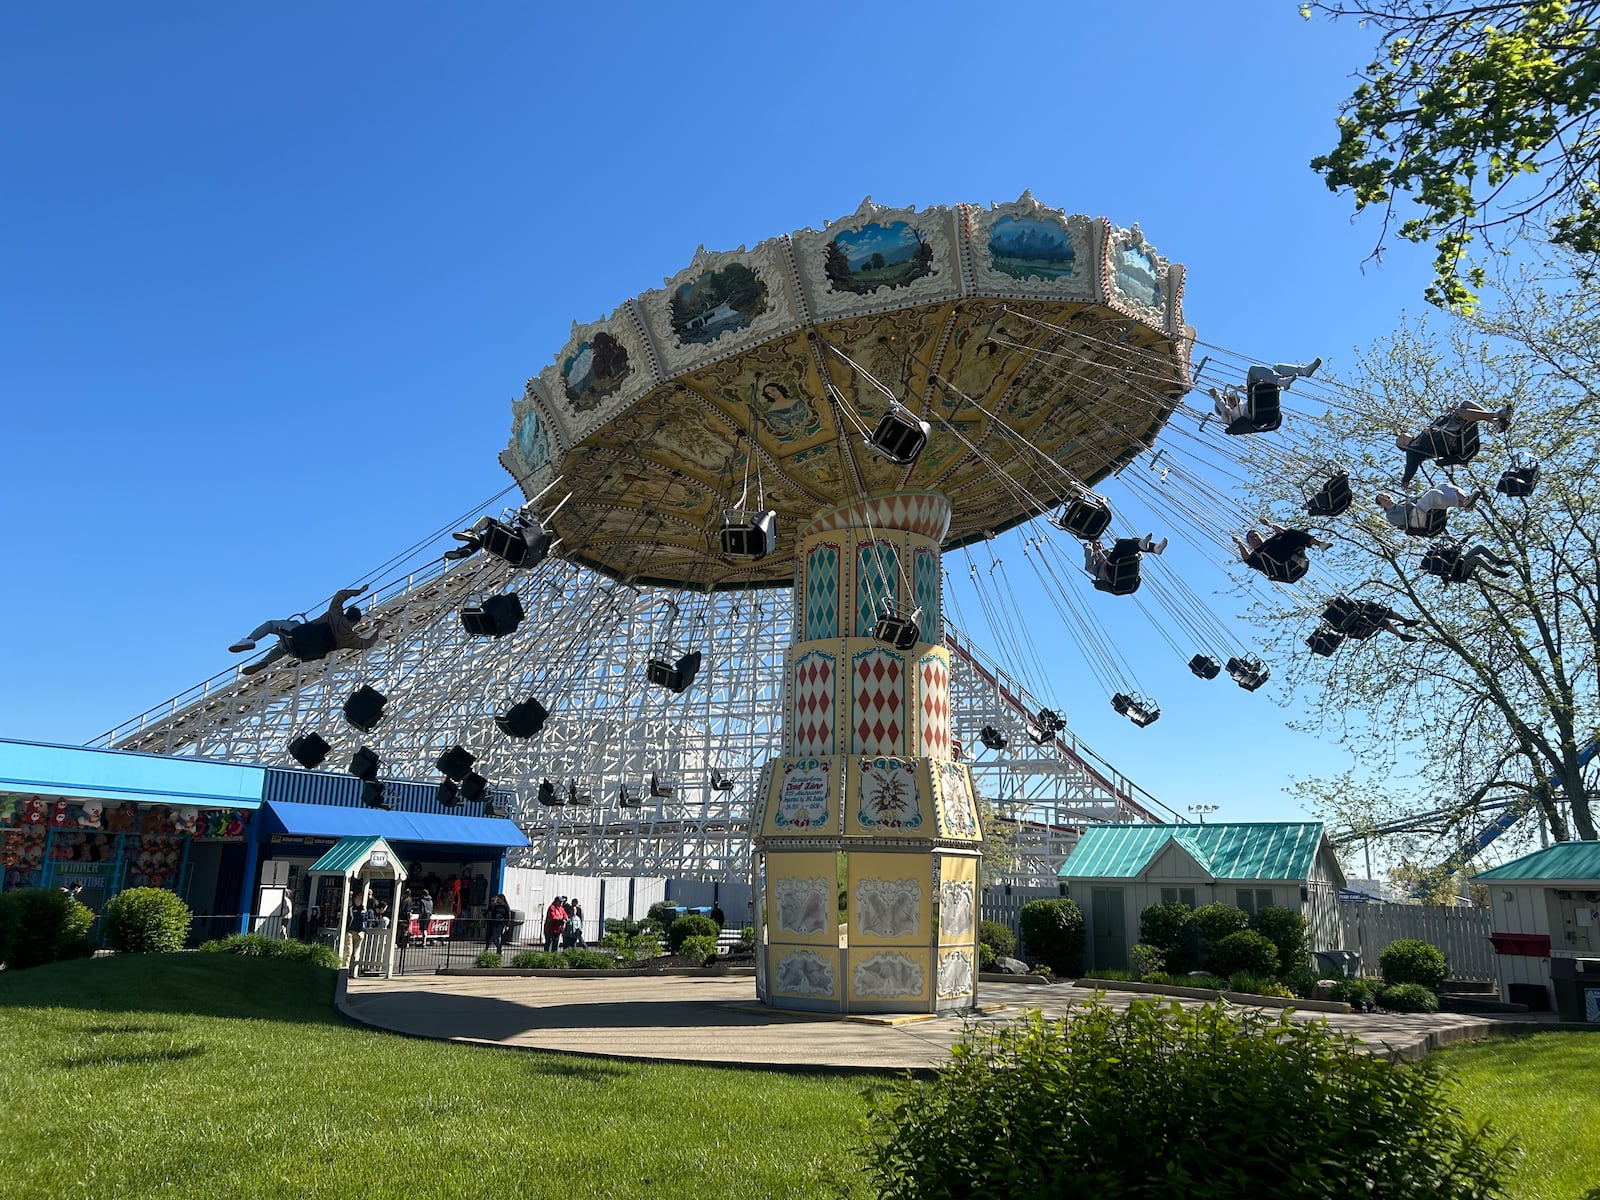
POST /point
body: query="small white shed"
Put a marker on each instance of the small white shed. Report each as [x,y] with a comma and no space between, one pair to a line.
[1116,871]
[358,861]
[1543,906]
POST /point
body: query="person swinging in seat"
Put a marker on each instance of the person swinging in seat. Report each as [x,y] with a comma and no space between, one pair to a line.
[1455,565]
[1424,515]
[1258,410]
[1361,619]
[308,641]
[1452,439]
[1281,555]
[525,542]
[1117,570]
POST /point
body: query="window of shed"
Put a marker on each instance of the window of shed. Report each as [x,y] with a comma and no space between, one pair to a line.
[1173,895]
[1252,900]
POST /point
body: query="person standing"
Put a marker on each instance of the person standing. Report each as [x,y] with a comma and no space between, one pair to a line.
[572,938]
[555,924]
[425,914]
[717,915]
[497,921]
[355,931]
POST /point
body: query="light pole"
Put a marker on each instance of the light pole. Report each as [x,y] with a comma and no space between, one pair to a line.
[1202,809]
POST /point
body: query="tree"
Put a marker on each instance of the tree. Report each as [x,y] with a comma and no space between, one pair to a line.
[1487,114]
[1499,697]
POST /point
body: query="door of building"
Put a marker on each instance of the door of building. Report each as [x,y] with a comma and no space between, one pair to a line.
[1110,929]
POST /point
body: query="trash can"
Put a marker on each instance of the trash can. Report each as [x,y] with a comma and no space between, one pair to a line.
[1346,962]
[1576,982]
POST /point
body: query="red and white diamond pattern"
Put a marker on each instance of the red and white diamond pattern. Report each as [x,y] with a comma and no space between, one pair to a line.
[926,513]
[935,706]
[812,726]
[878,716]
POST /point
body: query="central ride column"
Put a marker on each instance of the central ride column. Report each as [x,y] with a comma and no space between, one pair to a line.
[867,811]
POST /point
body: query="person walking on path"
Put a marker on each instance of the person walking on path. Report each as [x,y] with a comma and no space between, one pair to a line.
[497,922]
[555,924]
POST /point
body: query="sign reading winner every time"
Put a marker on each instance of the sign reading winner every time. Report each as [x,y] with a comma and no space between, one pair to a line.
[803,796]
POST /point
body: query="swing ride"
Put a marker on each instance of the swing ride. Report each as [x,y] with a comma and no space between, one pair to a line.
[834,412]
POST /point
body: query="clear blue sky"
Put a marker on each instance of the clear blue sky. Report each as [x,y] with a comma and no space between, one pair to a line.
[272,275]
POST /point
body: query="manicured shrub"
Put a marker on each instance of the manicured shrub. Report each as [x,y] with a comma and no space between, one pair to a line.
[1215,1102]
[691,925]
[1413,961]
[747,938]
[636,947]
[1408,997]
[986,957]
[663,913]
[1302,981]
[255,945]
[146,921]
[585,960]
[1289,932]
[42,925]
[1212,923]
[698,947]
[1147,960]
[1257,985]
[1170,929]
[1355,991]
[488,958]
[533,960]
[1052,930]
[998,937]
[1245,950]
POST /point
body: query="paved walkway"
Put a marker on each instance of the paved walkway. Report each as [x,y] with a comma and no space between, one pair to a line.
[718,1020]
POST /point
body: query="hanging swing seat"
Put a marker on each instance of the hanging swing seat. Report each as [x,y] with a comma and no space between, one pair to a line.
[1447,563]
[1248,673]
[1136,708]
[547,795]
[1333,497]
[721,782]
[494,617]
[1264,411]
[898,627]
[900,436]
[1518,482]
[574,796]
[1205,667]
[1324,642]
[1456,441]
[674,676]
[1038,736]
[1119,576]
[659,790]
[1287,568]
[1087,517]
[1049,720]
[993,738]
[1430,523]
[312,640]
[748,535]
[628,799]
[523,719]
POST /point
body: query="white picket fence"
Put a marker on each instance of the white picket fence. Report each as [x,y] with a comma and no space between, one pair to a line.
[1462,933]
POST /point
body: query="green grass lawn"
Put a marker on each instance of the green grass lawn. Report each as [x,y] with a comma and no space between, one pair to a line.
[217,1076]
[1544,1090]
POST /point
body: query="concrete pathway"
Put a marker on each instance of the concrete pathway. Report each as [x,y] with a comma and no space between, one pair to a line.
[718,1020]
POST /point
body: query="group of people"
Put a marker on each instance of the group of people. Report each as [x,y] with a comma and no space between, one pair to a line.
[563,924]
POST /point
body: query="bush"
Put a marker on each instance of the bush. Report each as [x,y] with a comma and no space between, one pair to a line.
[630,948]
[986,957]
[488,958]
[663,913]
[255,945]
[1408,997]
[1212,923]
[146,921]
[1147,960]
[1170,929]
[1121,1104]
[1355,991]
[42,925]
[691,925]
[1302,981]
[1413,961]
[1257,985]
[1289,932]
[533,960]
[698,947]
[1245,950]
[747,938]
[1053,933]
[998,937]
[586,960]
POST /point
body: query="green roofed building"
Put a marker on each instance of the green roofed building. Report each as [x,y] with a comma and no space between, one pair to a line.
[1545,907]
[1116,871]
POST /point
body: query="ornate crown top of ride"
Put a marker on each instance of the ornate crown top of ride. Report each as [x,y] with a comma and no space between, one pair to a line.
[1008,329]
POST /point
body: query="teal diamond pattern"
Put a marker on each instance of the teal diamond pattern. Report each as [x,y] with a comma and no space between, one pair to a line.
[925,583]
[877,577]
[822,592]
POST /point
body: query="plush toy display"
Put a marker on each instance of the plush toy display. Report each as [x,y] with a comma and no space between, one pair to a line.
[33,811]
[8,807]
[184,819]
[120,818]
[59,811]
[91,815]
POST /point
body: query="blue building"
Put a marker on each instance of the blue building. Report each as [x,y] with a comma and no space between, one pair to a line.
[217,833]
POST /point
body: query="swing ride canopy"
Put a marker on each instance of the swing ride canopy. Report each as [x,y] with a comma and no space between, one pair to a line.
[1044,349]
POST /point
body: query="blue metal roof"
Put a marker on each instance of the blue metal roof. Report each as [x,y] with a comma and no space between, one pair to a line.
[337,821]
[123,777]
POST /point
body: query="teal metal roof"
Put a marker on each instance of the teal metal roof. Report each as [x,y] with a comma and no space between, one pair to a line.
[1564,860]
[351,852]
[1229,850]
